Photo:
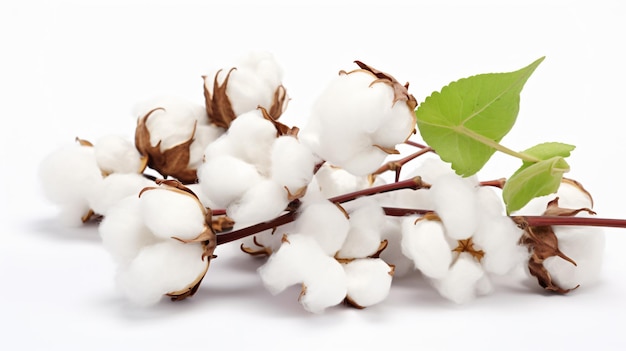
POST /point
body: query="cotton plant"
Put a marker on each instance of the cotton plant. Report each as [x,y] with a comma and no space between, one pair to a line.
[317,204]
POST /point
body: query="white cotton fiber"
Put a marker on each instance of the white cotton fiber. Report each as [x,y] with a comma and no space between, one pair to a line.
[115,187]
[499,238]
[69,173]
[262,202]
[115,154]
[251,137]
[454,200]
[159,269]
[425,243]
[292,163]
[301,260]
[172,214]
[325,222]
[584,245]
[123,232]
[459,285]
[224,179]
[173,123]
[366,225]
[369,281]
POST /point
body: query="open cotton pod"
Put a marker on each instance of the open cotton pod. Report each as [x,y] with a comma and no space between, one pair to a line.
[161,242]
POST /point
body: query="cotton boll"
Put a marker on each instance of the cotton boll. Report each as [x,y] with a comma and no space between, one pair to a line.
[263,201]
[454,200]
[325,287]
[459,285]
[222,146]
[123,232]
[115,154]
[224,179]
[301,260]
[365,162]
[584,245]
[253,82]
[68,176]
[171,213]
[366,224]
[252,137]
[115,187]
[172,123]
[369,281]
[292,163]
[425,243]
[325,222]
[499,238]
[159,269]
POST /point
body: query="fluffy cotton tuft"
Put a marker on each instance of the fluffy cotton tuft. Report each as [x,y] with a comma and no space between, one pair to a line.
[262,202]
[123,231]
[425,243]
[301,260]
[172,214]
[369,281]
[454,200]
[115,187]
[292,163]
[326,223]
[354,120]
[224,179]
[115,154]
[253,83]
[68,176]
[460,284]
[159,269]
[366,225]
[584,245]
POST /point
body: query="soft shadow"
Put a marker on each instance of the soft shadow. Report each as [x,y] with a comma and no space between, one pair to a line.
[51,228]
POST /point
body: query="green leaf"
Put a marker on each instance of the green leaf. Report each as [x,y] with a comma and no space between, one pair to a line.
[535,179]
[465,122]
[545,151]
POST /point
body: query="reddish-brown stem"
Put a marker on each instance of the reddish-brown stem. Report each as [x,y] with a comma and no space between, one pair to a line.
[497,183]
[421,146]
[397,164]
[413,183]
[566,220]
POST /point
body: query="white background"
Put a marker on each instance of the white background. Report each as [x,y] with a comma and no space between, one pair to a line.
[71,69]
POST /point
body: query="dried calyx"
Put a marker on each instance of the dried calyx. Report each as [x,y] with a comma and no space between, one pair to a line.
[542,243]
[172,162]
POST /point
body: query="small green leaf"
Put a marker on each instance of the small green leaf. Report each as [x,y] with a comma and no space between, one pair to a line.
[465,122]
[533,180]
[545,151]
